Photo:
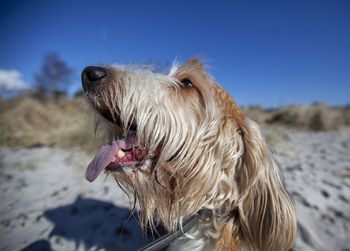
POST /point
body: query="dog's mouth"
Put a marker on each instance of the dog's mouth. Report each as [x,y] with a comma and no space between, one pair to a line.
[115,119]
[120,155]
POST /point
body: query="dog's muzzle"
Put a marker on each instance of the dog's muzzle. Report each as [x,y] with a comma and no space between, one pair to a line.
[93,76]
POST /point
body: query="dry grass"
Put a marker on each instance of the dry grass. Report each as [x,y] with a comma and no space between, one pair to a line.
[318,117]
[27,122]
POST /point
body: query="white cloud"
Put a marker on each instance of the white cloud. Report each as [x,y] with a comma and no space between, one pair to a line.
[10,80]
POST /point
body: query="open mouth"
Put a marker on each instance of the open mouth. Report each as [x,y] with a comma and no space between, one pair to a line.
[120,155]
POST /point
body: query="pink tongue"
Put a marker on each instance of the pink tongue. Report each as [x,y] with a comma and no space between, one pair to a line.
[101,160]
[106,155]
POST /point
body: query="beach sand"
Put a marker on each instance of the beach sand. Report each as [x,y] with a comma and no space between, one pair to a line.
[47,203]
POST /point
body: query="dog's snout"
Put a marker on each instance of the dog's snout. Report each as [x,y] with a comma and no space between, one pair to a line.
[93,76]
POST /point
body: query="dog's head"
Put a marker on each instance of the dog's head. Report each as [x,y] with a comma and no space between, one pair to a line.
[181,146]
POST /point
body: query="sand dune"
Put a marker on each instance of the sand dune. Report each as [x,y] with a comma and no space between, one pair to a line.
[46,202]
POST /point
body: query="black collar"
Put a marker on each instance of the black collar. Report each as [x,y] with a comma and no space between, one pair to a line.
[166,239]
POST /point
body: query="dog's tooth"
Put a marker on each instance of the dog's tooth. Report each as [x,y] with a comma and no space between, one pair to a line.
[120,153]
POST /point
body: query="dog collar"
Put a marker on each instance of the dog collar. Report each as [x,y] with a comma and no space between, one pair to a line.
[166,239]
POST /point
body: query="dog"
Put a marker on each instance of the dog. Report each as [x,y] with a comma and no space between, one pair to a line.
[180,146]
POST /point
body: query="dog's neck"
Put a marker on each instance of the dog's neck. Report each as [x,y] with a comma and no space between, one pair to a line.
[166,239]
[194,240]
[198,238]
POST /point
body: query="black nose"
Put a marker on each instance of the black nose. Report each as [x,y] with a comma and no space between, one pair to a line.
[92,76]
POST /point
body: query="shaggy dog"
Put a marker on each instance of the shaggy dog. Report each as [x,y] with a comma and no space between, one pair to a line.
[180,145]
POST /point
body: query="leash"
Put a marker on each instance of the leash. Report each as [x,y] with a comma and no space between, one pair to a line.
[166,239]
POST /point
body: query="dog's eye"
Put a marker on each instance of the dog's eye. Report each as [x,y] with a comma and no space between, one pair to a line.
[187,83]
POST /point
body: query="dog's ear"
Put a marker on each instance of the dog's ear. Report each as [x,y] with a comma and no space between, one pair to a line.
[266,211]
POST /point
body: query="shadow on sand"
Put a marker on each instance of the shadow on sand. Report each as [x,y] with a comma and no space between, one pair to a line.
[94,224]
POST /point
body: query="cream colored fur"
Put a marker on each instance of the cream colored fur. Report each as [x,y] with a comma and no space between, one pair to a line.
[213,161]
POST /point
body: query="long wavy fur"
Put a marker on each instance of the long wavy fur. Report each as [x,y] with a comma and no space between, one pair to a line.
[213,161]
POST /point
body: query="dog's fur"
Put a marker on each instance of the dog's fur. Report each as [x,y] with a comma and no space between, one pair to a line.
[211,160]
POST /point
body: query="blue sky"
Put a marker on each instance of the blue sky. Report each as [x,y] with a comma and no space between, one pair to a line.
[267,53]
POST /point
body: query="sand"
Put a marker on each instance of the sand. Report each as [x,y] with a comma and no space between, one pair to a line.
[46,204]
